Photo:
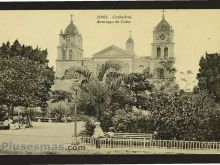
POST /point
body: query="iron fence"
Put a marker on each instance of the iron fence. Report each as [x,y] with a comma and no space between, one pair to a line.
[145,143]
[110,142]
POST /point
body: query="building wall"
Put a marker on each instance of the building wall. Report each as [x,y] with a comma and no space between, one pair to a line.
[140,64]
[62,65]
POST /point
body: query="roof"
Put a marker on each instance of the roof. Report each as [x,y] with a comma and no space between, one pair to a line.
[130,40]
[113,52]
[163,25]
[71,29]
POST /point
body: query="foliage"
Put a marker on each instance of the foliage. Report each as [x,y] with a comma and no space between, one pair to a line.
[109,91]
[89,127]
[172,113]
[26,78]
[60,95]
[96,96]
[214,122]
[209,74]
[21,82]
[165,69]
[61,107]
[93,92]
[184,117]
[165,75]
[130,121]
[168,66]
[137,82]
[106,120]
[8,51]
[108,66]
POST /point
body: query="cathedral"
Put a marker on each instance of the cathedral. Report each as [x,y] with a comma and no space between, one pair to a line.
[70,54]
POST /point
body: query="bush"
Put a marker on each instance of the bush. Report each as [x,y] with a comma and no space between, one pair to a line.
[89,127]
[131,122]
[181,117]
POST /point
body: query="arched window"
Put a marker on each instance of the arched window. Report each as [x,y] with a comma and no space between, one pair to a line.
[158,52]
[140,68]
[64,55]
[165,52]
[68,41]
[70,54]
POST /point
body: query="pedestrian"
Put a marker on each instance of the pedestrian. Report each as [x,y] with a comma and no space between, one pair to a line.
[111,132]
[98,133]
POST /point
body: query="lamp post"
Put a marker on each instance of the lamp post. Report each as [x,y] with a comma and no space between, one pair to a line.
[75,114]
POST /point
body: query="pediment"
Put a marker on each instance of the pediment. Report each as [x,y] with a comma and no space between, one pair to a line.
[112,52]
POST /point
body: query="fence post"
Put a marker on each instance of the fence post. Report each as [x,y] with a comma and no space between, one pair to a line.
[91,141]
[144,142]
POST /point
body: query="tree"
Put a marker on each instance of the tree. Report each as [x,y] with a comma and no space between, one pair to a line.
[61,108]
[181,117]
[93,91]
[95,96]
[60,95]
[165,75]
[209,74]
[26,78]
[131,121]
[137,84]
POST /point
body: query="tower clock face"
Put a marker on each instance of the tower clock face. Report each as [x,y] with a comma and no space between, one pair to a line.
[162,37]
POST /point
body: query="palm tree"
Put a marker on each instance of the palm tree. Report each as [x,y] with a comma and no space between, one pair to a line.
[92,88]
[168,66]
[60,95]
[164,80]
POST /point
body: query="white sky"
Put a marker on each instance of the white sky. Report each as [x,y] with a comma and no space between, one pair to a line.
[195,32]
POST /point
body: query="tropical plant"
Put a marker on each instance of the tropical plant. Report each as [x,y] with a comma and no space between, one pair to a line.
[93,91]
[209,74]
[60,95]
[165,75]
[130,121]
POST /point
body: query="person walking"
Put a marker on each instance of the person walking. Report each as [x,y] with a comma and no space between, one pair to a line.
[98,133]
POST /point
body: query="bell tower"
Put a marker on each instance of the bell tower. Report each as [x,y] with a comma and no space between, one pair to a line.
[130,44]
[162,46]
[69,50]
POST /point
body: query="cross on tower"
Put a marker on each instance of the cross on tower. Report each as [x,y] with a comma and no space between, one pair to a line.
[163,13]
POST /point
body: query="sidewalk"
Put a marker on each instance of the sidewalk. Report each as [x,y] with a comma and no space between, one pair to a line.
[93,150]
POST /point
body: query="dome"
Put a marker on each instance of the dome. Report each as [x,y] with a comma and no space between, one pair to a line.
[130,40]
[71,29]
[130,44]
[163,26]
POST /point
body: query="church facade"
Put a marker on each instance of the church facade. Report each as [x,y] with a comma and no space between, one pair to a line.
[70,54]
